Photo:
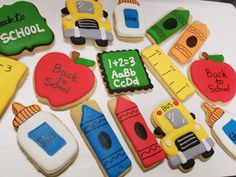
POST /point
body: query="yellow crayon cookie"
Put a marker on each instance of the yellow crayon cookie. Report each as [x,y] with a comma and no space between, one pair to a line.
[12,73]
[190,42]
[166,71]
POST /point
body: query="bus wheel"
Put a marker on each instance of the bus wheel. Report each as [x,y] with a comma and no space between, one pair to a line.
[101,43]
[189,164]
[78,40]
[207,154]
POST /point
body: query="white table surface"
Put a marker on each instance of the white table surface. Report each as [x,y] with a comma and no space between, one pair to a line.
[221,19]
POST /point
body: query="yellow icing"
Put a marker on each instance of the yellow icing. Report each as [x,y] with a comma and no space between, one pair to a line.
[97,15]
[171,76]
[11,73]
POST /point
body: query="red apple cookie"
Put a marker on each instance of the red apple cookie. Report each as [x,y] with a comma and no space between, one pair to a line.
[62,83]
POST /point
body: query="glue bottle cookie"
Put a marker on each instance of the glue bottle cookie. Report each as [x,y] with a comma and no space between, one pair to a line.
[47,142]
[223,127]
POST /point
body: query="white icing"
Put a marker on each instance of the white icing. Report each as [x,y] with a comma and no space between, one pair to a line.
[76,32]
[218,130]
[207,146]
[49,164]
[103,33]
[68,17]
[121,28]
[182,157]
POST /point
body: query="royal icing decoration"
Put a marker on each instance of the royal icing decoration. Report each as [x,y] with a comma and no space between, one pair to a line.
[44,138]
[61,81]
[224,127]
[190,42]
[101,139]
[139,137]
[168,25]
[22,27]
[12,74]
[86,19]
[161,65]
[183,139]
[215,80]
[123,71]
[129,20]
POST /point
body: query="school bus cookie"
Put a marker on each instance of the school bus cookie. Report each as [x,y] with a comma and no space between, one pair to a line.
[190,42]
[138,136]
[182,138]
[168,25]
[12,74]
[223,126]
[86,19]
[101,139]
[167,73]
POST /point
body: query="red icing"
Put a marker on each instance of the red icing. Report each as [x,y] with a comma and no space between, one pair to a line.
[215,80]
[148,150]
[75,80]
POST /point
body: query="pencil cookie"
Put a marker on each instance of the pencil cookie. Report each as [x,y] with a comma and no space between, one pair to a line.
[141,141]
[100,138]
[167,73]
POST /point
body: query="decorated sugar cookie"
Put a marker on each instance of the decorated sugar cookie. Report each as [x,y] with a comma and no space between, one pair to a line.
[182,138]
[141,141]
[86,19]
[215,80]
[168,25]
[22,28]
[129,20]
[62,83]
[190,42]
[12,74]
[123,71]
[167,73]
[223,126]
[100,138]
[44,139]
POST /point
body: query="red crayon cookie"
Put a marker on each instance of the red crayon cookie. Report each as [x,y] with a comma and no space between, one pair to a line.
[62,83]
[142,142]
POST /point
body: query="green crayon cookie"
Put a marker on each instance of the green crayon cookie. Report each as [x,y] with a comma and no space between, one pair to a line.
[22,28]
[168,25]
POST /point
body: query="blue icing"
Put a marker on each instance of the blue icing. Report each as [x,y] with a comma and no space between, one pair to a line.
[104,142]
[47,139]
[131,18]
[230,130]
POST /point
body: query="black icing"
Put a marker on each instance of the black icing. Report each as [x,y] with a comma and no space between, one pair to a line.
[191,41]
[101,43]
[189,164]
[170,24]
[104,140]
[140,130]
[78,40]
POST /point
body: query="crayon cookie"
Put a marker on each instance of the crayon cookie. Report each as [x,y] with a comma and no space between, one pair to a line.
[215,79]
[45,140]
[168,25]
[129,20]
[22,28]
[141,141]
[61,82]
[86,19]
[166,72]
[12,74]
[101,139]
[223,126]
[123,71]
[182,138]
[190,42]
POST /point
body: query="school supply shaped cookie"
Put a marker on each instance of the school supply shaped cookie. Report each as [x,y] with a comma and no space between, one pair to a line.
[214,79]
[168,25]
[44,139]
[22,28]
[182,138]
[129,20]
[190,42]
[86,19]
[12,75]
[123,71]
[138,136]
[101,139]
[167,73]
[223,126]
[62,83]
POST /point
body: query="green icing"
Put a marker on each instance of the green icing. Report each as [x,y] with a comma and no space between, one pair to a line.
[22,27]
[217,58]
[85,62]
[124,71]
[169,25]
